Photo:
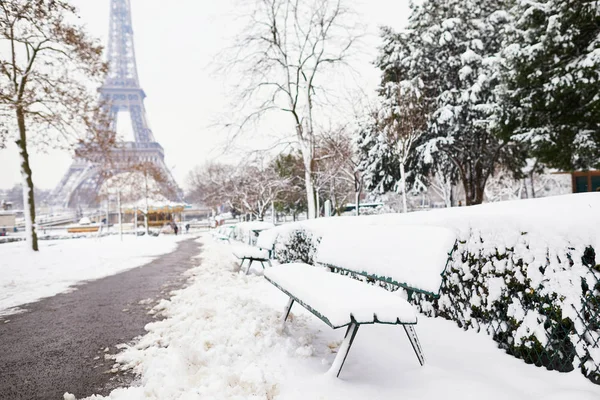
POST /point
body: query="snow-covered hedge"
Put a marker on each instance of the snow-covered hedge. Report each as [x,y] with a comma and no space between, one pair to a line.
[540,303]
[299,245]
[525,272]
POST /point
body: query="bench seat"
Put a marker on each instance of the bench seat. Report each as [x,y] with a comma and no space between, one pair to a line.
[220,236]
[250,253]
[247,252]
[348,300]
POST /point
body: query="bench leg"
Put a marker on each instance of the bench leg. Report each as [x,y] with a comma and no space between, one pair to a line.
[340,358]
[249,265]
[414,341]
[288,308]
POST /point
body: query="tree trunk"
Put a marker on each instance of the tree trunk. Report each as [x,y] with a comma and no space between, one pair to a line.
[531,179]
[307,149]
[474,192]
[403,187]
[273,214]
[28,199]
[358,184]
[318,201]
[311,199]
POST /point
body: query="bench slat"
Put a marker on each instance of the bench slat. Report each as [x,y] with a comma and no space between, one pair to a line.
[249,252]
[337,299]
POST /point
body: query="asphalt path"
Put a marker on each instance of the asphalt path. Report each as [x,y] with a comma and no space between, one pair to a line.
[59,345]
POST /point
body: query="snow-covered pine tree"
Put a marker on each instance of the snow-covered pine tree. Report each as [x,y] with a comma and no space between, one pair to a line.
[449,53]
[553,81]
[378,164]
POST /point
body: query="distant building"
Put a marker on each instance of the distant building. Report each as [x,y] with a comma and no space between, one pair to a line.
[586,181]
[7,220]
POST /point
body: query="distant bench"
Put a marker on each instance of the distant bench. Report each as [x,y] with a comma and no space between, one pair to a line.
[251,254]
[223,232]
[411,257]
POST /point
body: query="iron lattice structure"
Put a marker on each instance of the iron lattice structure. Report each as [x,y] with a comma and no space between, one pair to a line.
[121,91]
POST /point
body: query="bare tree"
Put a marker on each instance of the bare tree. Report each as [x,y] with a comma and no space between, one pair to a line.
[285,50]
[338,167]
[535,182]
[47,77]
[212,184]
[257,188]
[442,184]
[250,187]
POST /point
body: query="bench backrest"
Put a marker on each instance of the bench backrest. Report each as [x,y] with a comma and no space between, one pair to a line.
[413,257]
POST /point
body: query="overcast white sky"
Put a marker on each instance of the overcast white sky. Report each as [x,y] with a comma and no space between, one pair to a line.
[176,44]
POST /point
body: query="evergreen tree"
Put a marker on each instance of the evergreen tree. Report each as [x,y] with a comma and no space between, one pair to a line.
[553,70]
[379,166]
[449,55]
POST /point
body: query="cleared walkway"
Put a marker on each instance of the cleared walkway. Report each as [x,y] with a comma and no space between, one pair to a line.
[59,345]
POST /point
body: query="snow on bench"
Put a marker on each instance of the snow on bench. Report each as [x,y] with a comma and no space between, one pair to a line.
[223,233]
[413,257]
[347,300]
[250,253]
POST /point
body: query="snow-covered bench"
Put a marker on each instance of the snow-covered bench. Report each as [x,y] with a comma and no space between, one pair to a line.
[411,257]
[223,233]
[251,254]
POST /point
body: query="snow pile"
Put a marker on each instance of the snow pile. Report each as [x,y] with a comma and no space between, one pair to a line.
[27,276]
[219,341]
[222,339]
[524,271]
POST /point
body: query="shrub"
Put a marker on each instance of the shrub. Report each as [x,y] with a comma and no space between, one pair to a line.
[540,304]
[298,246]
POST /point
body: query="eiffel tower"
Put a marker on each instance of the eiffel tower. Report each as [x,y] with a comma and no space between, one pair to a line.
[122,92]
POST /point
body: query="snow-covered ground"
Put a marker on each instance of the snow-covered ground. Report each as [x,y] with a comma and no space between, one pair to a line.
[27,276]
[223,339]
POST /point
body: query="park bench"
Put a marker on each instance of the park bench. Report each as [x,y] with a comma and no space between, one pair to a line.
[251,254]
[409,257]
[223,233]
[257,250]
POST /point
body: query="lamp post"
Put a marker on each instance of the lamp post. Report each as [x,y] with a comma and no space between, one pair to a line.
[120,215]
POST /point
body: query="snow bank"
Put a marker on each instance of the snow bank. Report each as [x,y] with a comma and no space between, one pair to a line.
[27,276]
[222,339]
[576,216]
